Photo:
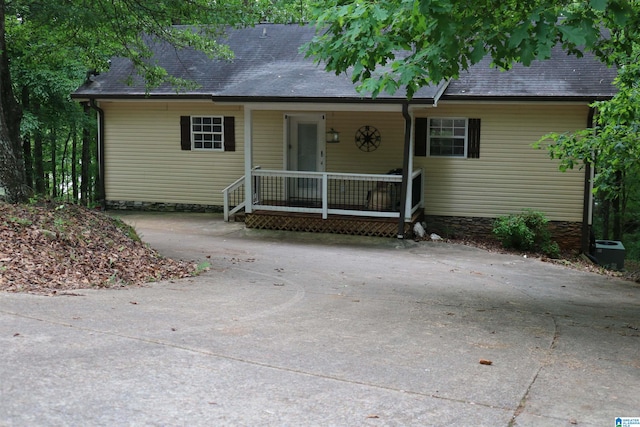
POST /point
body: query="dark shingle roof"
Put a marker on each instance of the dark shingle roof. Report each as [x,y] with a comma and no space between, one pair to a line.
[561,77]
[268,66]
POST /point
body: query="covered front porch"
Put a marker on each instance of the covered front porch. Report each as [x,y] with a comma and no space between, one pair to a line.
[308,167]
[343,203]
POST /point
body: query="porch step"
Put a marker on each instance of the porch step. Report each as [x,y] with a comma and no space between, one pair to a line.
[336,224]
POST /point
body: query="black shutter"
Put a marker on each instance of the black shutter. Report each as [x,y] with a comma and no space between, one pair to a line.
[229,133]
[420,137]
[473,150]
[185,132]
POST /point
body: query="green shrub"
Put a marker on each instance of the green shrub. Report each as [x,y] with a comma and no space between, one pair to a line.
[526,231]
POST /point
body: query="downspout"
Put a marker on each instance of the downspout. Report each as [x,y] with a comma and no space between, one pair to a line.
[587,213]
[406,173]
[101,186]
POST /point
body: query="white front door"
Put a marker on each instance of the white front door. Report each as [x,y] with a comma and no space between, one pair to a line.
[305,152]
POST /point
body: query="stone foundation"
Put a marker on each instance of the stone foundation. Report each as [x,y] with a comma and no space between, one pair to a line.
[161,207]
[566,234]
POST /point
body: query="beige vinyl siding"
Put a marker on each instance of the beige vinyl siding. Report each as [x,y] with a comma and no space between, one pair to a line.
[144,162]
[510,174]
[345,156]
[268,139]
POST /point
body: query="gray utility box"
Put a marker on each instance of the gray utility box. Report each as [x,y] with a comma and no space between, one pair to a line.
[610,254]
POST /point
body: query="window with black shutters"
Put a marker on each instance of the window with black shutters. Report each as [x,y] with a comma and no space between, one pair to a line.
[215,133]
[447,137]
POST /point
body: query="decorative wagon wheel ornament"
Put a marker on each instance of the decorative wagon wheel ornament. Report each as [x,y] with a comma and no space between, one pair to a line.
[368,138]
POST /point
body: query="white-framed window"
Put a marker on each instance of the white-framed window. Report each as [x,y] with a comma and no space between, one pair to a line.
[447,137]
[207,132]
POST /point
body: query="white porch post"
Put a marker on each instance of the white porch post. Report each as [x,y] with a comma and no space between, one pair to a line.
[325,195]
[248,159]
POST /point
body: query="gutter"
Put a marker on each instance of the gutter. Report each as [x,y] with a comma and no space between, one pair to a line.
[101,186]
[260,99]
[525,98]
[406,173]
[405,168]
[440,92]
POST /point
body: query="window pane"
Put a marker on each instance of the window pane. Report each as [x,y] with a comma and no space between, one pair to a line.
[207,132]
[458,147]
[436,123]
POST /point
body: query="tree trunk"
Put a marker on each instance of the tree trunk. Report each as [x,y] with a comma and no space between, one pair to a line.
[38,163]
[64,183]
[12,171]
[54,162]
[26,144]
[606,204]
[74,159]
[28,160]
[617,214]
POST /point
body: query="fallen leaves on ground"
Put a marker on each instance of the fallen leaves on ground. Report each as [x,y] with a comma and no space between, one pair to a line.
[567,259]
[50,247]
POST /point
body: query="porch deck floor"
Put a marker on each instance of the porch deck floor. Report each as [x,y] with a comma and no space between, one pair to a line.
[336,224]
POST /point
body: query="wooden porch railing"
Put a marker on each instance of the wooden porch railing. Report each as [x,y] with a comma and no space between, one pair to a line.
[325,193]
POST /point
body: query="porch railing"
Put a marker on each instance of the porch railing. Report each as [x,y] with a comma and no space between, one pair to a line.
[326,193]
[234,198]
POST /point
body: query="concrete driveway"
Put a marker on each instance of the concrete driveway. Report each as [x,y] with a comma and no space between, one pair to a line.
[312,330]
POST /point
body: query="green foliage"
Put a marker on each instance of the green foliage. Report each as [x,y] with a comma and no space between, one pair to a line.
[127,230]
[406,44]
[613,145]
[201,268]
[631,243]
[283,11]
[54,46]
[526,231]
[23,222]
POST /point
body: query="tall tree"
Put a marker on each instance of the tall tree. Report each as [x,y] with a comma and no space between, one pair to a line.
[12,171]
[61,32]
